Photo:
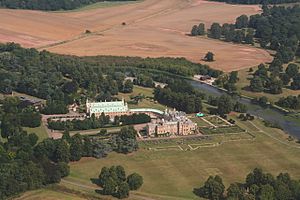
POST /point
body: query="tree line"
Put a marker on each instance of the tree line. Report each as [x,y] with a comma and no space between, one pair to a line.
[225,104]
[258,1]
[292,102]
[62,79]
[98,122]
[257,185]
[277,28]
[48,4]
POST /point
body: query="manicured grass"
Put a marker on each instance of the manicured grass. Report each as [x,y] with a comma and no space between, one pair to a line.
[199,121]
[221,130]
[175,173]
[39,131]
[215,120]
[48,194]
[148,102]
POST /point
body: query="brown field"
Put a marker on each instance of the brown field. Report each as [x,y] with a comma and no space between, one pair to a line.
[153,28]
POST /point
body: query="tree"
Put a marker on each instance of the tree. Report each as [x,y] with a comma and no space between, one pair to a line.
[126,140]
[263,101]
[292,70]
[213,189]
[276,86]
[103,176]
[128,86]
[64,169]
[123,190]
[30,118]
[256,84]
[76,147]
[239,36]
[209,56]
[234,192]
[70,87]
[249,39]
[225,105]
[62,152]
[215,31]
[242,22]
[295,85]
[194,31]
[285,78]
[135,181]
[233,77]
[266,193]
[201,29]
[120,171]
[239,107]
[109,187]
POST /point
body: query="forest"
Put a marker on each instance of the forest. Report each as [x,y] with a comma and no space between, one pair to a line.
[49,5]
[26,164]
[61,79]
[257,1]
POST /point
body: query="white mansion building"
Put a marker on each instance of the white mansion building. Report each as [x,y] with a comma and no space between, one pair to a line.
[111,108]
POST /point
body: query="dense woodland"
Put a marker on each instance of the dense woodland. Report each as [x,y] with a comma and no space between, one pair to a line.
[258,1]
[26,164]
[61,80]
[257,185]
[48,4]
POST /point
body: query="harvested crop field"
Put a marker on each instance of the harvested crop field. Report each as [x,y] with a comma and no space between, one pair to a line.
[153,28]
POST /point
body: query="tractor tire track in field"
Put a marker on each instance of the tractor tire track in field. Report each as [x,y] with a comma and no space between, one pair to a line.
[136,195]
[175,8]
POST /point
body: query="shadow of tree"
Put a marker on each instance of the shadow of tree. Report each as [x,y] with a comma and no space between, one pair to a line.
[95,181]
[197,192]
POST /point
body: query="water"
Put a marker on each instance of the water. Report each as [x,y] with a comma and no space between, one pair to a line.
[286,122]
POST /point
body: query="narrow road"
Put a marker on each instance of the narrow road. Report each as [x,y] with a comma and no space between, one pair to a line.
[271,136]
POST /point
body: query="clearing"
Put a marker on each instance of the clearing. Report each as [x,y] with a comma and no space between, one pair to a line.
[179,169]
[153,28]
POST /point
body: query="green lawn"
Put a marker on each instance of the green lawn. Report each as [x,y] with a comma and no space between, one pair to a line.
[40,131]
[172,174]
[48,194]
[198,120]
[148,102]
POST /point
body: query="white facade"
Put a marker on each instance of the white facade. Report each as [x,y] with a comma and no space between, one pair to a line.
[106,107]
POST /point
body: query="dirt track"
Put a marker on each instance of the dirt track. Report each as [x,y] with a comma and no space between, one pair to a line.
[153,28]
